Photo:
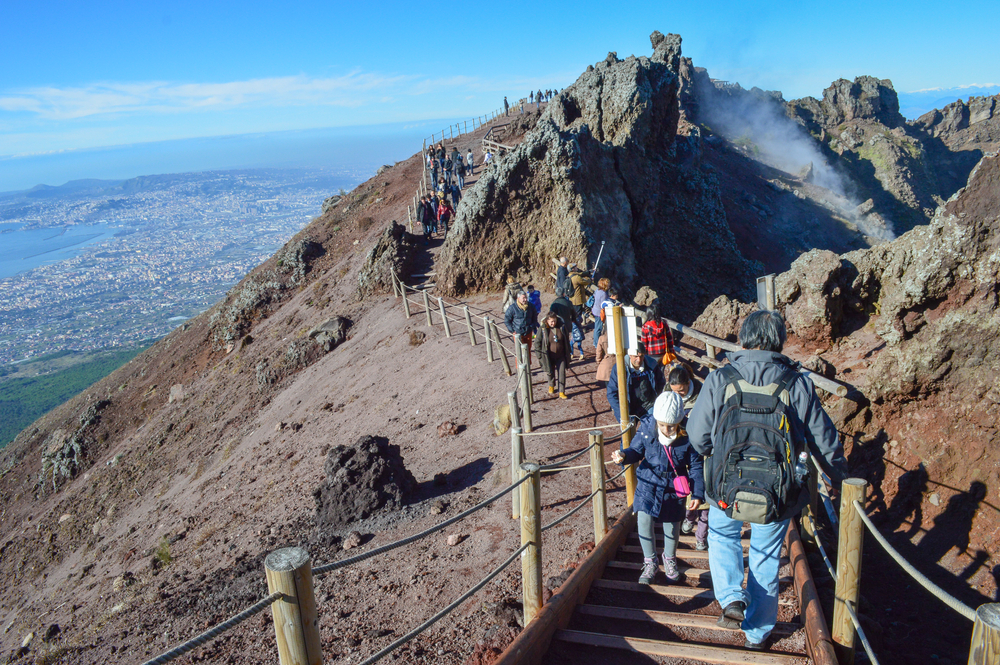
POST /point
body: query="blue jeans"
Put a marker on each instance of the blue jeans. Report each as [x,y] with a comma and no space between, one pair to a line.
[598,329]
[725,559]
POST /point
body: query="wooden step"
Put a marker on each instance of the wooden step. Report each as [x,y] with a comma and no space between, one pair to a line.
[685,542]
[702,653]
[687,555]
[670,590]
[688,573]
[705,621]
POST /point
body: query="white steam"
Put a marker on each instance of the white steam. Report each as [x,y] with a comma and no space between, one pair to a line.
[755,121]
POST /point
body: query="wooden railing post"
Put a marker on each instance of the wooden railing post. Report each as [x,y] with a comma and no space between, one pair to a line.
[427,307]
[531,532]
[985,647]
[623,398]
[597,485]
[468,322]
[851,539]
[444,318]
[808,519]
[395,287]
[406,302]
[771,296]
[524,379]
[515,412]
[503,352]
[296,628]
[516,458]
[710,351]
[489,340]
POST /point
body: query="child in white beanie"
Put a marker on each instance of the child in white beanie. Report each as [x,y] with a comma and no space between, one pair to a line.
[669,480]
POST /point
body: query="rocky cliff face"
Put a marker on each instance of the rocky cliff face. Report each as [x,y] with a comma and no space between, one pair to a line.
[914,326]
[972,125]
[604,164]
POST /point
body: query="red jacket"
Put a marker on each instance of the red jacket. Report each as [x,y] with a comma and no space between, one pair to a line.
[444,213]
[657,338]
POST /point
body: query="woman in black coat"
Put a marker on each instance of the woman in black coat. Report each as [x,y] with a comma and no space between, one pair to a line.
[664,452]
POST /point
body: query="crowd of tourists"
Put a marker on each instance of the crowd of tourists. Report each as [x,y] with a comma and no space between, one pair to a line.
[448,169]
[710,456]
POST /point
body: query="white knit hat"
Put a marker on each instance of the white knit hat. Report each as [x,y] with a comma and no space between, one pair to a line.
[669,408]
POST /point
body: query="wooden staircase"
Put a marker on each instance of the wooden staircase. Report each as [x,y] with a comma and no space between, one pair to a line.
[621,621]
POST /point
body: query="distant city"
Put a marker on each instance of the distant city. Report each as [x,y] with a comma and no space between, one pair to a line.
[173,245]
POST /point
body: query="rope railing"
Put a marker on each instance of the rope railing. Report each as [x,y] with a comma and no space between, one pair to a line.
[330,567]
[923,580]
[214,632]
[546,467]
[440,615]
[572,512]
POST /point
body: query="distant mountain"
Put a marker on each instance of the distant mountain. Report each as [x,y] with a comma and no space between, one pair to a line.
[914,104]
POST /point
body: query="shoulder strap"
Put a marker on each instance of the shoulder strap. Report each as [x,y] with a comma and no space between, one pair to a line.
[733,378]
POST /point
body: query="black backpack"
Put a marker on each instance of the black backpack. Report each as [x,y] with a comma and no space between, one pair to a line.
[753,459]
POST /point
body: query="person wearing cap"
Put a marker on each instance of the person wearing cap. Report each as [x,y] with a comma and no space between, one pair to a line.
[645,382]
[669,479]
[552,347]
[521,320]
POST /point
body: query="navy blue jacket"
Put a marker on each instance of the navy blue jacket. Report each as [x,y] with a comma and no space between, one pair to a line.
[643,387]
[654,490]
[521,321]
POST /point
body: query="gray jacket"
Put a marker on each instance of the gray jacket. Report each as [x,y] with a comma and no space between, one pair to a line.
[761,368]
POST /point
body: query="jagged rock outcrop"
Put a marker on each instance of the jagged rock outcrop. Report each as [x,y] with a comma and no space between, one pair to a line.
[604,164]
[864,98]
[392,252]
[927,308]
[972,125]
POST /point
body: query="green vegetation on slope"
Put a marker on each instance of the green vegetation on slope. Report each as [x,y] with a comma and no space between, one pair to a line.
[24,400]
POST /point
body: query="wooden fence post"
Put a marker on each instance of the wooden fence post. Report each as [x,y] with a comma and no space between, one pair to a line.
[849,545]
[289,572]
[524,379]
[503,352]
[467,126]
[409,220]
[531,532]
[468,322]
[597,485]
[616,321]
[808,519]
[427,307]
[444,318]
[516,458]
[710,351]
[489,340]
[769,290]
[395,287]
[406,302]
[451,131]
[985,646]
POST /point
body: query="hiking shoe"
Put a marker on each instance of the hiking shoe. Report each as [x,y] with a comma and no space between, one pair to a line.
[552,390]
[701,545]
[563,396]
[687,526]
[732,615]
[670,568]
[758,646]
[649,569]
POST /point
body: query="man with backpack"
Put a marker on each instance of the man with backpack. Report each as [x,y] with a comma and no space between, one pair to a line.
[752,421]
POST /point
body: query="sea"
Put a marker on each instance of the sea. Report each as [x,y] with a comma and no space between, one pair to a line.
[22,249]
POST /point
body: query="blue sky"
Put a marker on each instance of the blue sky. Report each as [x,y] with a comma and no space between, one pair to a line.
[88,74]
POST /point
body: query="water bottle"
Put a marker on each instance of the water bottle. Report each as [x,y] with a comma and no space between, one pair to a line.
[802,468]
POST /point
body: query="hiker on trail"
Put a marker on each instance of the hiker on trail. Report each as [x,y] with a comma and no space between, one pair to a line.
[456,195]
[788,415]
[644,380]
[531,96]
[510,293]
[605,361]
[534,297]
[609,302]
[432,209]
[521,320]
[562,273]
[459,171]
[552,347]
[470,163]
[578,287]
[445,213]
[487,158]
[681,381]
[422,219]
[564,308]
[506,106]
[440,187]
[448,168]
[656,334]
[600,295]
[668,480]
[538,100]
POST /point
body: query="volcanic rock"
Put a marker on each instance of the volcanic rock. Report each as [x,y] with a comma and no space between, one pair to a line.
[392,252]
[361,479]
[605,163]
[331,333]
